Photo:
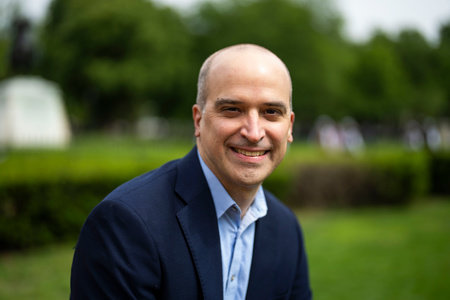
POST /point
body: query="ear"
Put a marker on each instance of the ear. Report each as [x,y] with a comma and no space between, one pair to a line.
[291,126]
[197,116]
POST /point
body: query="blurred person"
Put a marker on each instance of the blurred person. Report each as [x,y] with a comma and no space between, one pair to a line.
[352,138]
[202,227]
[414,135]
[432,134]
[327,134]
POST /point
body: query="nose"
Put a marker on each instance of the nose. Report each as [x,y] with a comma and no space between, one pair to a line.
[252,128]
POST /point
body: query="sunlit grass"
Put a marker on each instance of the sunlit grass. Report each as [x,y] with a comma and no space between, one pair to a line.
[42,273]
[383,253]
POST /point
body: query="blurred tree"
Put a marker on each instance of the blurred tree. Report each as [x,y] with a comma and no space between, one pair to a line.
[379,90]
[309,43]
[120,58]
[418,62]
[8,10]
[115,59]
[4,45]
[443,65]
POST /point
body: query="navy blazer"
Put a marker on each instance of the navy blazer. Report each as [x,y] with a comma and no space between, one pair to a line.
[156,237]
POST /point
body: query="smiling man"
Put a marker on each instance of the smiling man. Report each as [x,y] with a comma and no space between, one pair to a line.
[202,227]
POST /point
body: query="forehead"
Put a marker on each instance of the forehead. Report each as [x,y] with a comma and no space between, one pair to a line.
[248,69]
[247,59]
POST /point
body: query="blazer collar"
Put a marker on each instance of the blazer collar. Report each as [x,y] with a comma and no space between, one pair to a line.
[199,224]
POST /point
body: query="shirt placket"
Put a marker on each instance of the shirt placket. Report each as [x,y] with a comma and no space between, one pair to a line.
[233,274]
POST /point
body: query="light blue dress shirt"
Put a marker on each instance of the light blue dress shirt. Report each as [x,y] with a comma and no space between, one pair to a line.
[236,235]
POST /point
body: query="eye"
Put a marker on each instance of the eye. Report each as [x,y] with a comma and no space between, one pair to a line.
[273,111]
[272,114]
[230,111]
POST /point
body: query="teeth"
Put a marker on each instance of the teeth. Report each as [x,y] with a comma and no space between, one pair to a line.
[250,153]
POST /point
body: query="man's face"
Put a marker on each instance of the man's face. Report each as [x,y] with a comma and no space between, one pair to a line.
[243,130]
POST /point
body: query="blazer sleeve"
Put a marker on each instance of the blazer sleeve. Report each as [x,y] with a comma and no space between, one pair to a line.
[115,257]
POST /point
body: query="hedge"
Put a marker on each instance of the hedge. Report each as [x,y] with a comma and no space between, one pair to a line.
[390,179]
[440,173]
[46,197]
[33,214]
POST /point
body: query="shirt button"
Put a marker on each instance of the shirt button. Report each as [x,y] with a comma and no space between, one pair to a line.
[232,278]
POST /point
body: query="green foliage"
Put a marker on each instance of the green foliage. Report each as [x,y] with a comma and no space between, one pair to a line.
[380,88]
[443,64]
[387,178]
[440,173]
[37,213]
[121,59]
[309,44]
[46,196]
[115,59]
[3,57]
[427,97]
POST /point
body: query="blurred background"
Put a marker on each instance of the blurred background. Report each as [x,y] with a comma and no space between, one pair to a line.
[94,93]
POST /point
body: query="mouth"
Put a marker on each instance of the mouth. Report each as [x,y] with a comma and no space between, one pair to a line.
[250,153]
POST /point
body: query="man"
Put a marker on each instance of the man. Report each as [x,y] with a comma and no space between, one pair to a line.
[202,227]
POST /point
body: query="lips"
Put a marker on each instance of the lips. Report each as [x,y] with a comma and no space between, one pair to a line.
[249,153]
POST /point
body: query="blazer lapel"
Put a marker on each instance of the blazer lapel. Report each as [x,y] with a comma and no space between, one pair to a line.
[199,224]
[263,250]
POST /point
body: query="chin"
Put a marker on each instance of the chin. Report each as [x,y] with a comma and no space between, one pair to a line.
[251,179]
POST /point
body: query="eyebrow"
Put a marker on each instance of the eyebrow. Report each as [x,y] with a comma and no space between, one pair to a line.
[224,101]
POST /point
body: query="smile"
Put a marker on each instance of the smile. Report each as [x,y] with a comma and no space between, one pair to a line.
[249,153]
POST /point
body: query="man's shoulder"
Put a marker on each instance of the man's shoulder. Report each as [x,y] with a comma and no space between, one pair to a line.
[278,210]
[276,204]
[149,181]
[145,196]
[156,187]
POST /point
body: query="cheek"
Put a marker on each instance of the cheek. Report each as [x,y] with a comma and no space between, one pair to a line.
[222,128]
[279,133]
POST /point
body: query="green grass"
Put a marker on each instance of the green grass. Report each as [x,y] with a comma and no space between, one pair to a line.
[384,253]
[377,253]
[42,273]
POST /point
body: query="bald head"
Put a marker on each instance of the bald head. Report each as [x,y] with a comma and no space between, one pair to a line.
[232,57]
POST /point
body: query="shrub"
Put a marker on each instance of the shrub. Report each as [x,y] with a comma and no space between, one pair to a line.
[440,173]
[376,180]
[46,196]
[323,185]
[33,213]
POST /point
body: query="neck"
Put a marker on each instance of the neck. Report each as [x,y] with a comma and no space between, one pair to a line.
[243,197]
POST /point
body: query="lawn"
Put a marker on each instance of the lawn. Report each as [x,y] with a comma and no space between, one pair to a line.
[383,253]
[376,253]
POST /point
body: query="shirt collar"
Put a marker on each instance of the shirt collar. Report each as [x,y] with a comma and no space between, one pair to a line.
[223,201]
